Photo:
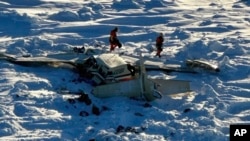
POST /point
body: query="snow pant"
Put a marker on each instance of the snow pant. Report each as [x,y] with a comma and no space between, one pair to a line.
[114,44]
[159,50]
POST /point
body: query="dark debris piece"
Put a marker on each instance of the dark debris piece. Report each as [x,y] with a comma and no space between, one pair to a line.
[84,114]
[172,134]
[71,101]
[139,114]
[96,110]
[105,108]
[187,110]
[79,50]
[147,105]
[85,98]
[119,129]
[135,130]
[130,129]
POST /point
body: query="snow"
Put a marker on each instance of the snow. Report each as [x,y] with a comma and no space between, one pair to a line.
[34,104]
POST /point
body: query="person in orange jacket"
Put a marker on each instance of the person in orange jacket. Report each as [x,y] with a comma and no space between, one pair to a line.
[113,40]
[159,43]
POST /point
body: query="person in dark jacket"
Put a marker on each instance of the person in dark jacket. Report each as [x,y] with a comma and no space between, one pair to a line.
[113,40]
[159,44]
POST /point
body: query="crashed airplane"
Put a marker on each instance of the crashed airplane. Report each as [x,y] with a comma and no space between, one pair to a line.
[142,86]
[113,74]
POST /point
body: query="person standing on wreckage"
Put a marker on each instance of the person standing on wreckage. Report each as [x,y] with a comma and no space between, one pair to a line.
[113,40]
[159,43]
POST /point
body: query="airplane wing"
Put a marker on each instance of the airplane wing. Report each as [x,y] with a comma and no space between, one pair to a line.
[155,65]
[67,58]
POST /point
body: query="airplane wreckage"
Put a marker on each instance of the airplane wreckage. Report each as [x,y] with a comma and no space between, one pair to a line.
[118,75]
